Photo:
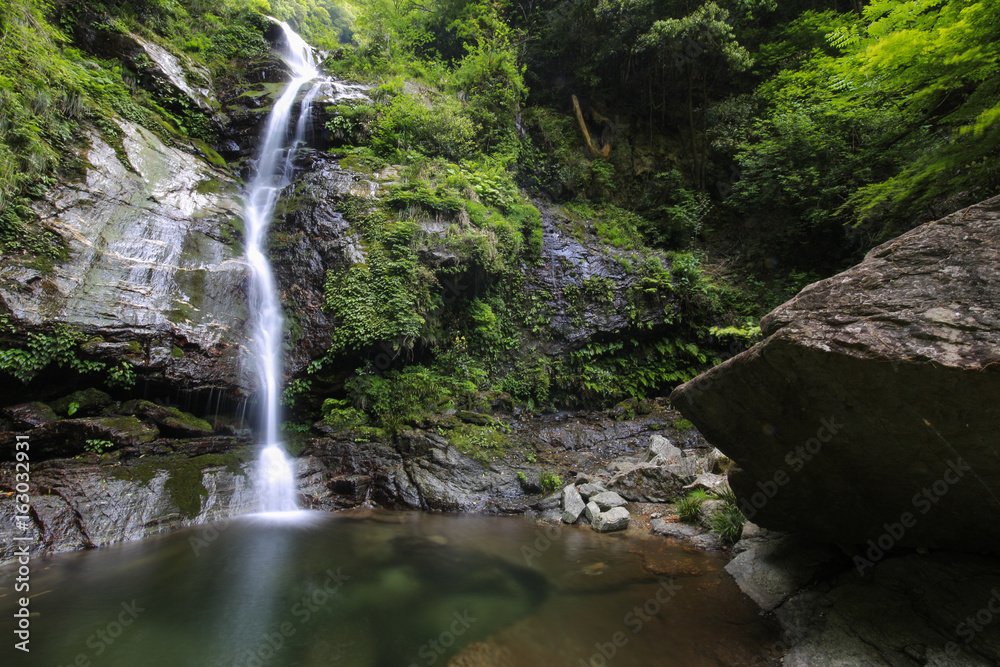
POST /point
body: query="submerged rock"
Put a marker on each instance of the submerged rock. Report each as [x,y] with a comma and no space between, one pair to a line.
[697,536]
[868,414]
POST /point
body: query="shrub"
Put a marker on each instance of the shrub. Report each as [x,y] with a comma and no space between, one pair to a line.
[549,481]
[339,415]
[407,124]
[728,520]
[689,507]
[98,446]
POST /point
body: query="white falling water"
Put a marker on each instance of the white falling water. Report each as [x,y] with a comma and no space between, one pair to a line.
[273,173]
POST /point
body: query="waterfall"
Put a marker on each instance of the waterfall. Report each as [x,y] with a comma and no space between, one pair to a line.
[274,170]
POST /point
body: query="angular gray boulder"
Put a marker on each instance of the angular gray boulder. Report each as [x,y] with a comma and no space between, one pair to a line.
[869,413]
[592,511]
[573,504]
[608,500]
[614,519]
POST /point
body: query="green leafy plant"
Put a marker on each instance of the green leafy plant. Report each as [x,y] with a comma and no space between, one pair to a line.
[549,481]
[339,415]
[71,410]
[121,375]
[98,446]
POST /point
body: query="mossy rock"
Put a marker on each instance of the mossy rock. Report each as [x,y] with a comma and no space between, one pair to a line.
[481,443]
[170,420]
[89,402]
[122,431]
[442,421]
[185,475]
[475,418]
[30,415]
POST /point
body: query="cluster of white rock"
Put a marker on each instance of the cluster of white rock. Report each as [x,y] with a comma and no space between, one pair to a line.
[604,510]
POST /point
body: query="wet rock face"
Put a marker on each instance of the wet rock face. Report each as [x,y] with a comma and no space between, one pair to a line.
[585,286]
[869,413]
[422,469]
[417,470]
[164,71]
[155,268]
[308,238]
[91,502]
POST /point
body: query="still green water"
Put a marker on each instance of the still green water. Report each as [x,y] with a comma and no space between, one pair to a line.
[385,589]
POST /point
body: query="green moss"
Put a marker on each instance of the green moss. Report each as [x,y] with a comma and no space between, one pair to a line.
[264,89]
[209,153]
[129,426]
[87,401]
[184,482]
[481,443]
[682,425]
[209,187]
[172,418]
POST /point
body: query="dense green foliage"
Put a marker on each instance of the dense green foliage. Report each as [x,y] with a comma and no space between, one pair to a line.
[818,129]
[877,122]
[63,69]
[723,152]
[62,349]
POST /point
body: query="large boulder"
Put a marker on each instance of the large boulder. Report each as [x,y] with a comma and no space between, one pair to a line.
[869,413]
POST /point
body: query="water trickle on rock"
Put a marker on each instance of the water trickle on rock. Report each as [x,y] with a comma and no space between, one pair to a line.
[275,165]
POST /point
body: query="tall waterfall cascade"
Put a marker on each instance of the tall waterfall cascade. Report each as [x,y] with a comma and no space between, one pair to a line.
[275,164]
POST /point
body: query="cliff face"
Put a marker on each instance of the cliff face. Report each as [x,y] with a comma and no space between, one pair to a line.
[154,257]
[868,415]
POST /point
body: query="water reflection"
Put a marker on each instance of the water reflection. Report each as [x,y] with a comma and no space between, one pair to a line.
[385,589]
